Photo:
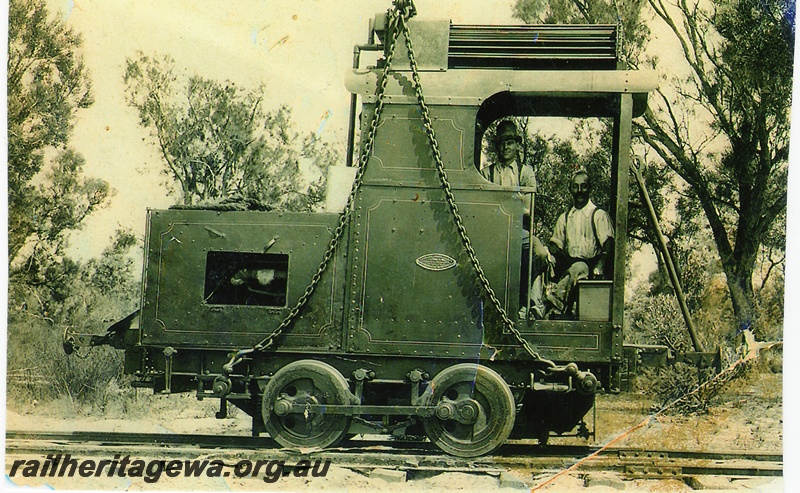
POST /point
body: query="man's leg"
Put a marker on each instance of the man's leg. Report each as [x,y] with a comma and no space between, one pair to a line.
[540,254]
[537,297]
[524,282]
[577,271]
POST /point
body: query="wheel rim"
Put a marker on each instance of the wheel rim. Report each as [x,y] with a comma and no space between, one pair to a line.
[305,382]
[475,410]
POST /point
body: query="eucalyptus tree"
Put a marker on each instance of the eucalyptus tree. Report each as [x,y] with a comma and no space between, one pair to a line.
[48,194]
[218,142]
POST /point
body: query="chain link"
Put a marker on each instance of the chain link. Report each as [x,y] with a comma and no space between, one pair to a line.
[344,219]
[451,201]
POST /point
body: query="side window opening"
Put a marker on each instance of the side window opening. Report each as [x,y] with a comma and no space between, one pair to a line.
[250,279]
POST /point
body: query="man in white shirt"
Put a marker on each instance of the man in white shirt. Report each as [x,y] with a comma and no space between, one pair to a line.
[508,172]
[584,238]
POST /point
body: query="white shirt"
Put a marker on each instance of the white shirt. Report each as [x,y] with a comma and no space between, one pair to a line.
[511,175]
[508,176]
[575,235]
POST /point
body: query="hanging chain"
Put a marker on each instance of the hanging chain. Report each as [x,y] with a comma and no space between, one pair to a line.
[344,219]
[451,201]
[396,23]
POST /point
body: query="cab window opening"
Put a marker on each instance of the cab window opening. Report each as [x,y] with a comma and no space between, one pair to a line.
[251,279]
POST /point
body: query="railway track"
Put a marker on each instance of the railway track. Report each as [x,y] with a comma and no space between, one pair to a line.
[367,454]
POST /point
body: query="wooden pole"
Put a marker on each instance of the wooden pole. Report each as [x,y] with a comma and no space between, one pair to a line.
[673,274]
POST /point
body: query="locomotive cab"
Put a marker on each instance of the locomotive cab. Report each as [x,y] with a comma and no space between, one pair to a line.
[490,73]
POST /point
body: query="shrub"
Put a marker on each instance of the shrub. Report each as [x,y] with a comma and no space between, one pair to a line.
[678,389]
[657,320]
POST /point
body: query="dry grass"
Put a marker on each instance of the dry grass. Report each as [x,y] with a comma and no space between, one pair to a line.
[746,415]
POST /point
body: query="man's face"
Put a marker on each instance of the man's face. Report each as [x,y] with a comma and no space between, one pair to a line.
[580,189]
[507,149]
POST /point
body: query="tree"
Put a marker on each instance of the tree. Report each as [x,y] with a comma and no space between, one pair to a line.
[721,125]
[44,216]
[628,14]
[47,84]
[218,142]
[740,56]
[49,197]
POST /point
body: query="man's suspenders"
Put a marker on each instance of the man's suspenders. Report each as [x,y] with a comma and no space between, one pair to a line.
[594,228]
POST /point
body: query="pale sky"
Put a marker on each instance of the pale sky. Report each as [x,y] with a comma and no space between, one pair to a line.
[299,50]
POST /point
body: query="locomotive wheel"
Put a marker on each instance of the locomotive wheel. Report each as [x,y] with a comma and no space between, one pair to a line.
[305,382]
[474,410]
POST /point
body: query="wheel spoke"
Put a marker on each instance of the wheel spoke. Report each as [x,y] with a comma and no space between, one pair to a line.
[306,382]
[485,410]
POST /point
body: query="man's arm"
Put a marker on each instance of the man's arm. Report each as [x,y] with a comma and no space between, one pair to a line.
[557,242]
[527,178]
[528,188]
[605,236]
[603,266]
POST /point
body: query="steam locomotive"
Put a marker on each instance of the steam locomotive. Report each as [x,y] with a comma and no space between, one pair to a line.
[398,310]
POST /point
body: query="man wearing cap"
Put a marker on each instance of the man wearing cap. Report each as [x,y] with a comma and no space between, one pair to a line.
[508,172]
[583,239]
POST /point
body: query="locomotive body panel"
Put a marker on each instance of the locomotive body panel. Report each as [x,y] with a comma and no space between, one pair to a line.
[402,155]
[414,290]
[574,340]
[221,279]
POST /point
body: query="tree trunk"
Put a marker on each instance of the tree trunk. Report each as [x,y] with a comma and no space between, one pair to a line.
[739,275]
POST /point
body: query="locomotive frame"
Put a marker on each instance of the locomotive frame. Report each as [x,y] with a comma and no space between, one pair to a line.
[399,335]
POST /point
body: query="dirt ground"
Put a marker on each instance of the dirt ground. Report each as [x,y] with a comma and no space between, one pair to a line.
[748,416]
